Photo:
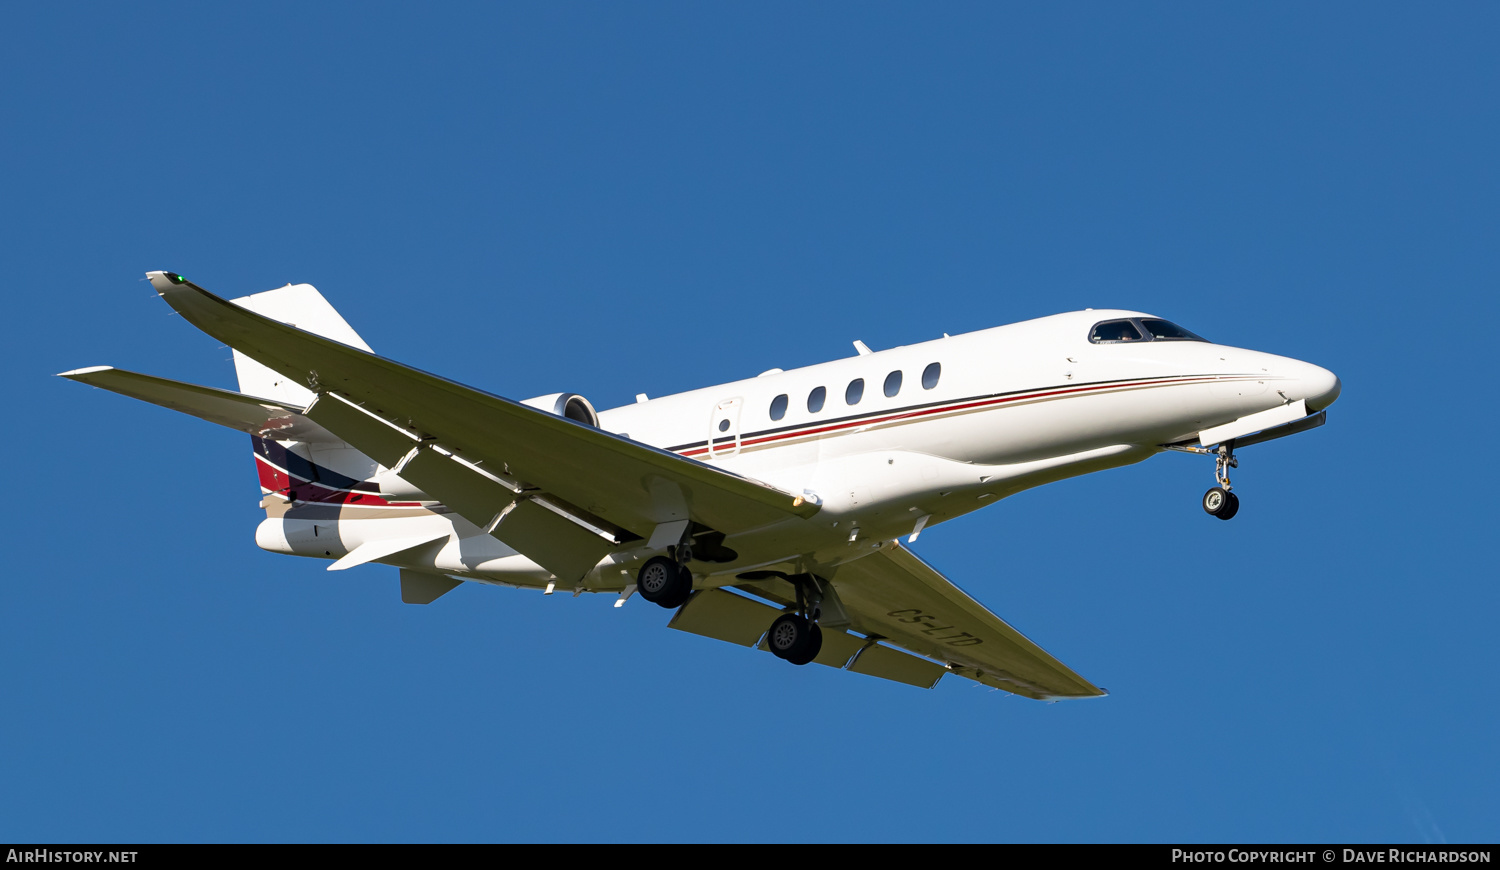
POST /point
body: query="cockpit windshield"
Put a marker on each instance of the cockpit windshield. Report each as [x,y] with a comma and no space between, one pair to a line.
[1163,330]
[1140,329]
[1115,330]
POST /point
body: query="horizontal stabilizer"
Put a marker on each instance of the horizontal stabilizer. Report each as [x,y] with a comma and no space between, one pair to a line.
[372,550]
[263,418]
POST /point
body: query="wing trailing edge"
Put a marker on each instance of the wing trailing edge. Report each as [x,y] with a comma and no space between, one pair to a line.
[603,474]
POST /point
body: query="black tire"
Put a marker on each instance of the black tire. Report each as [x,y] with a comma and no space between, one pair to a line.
[1231,507]
[814,644]
[1216,500]
[682,592]
[664,582]
[789,637]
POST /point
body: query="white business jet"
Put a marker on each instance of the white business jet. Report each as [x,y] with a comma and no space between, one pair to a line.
[765,512]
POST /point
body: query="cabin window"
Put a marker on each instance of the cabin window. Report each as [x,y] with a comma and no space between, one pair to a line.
[1162,330]
[724,425]
[1115,330]
[855,392]
[892,383]
[815,399]
[778,407]
[930,375]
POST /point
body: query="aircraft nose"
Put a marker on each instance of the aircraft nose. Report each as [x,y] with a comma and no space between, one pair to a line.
[1320,387]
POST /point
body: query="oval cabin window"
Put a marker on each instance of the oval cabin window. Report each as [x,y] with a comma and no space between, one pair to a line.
[930,375]
[892,384]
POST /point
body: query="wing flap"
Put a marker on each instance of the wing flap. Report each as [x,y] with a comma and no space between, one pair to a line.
[374,436]
[602,473]
[564,547]
[264,418]
[736,619]
[888,664]
[724,616]
[558,544]
[839,647]
[898,597]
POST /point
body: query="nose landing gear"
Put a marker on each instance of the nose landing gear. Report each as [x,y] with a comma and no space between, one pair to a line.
[1220,501]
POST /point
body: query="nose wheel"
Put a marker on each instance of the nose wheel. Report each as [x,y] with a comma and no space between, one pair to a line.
[1220,502]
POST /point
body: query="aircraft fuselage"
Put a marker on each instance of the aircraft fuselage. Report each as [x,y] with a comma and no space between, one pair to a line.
[889,443]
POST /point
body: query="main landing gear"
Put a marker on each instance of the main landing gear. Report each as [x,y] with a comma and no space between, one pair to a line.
[1220,501]
[796,636]
[665,581]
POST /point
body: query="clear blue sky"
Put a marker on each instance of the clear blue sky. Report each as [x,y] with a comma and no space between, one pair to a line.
[616,198]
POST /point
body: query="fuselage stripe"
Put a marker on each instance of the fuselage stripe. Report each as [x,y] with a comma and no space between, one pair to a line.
[914,412]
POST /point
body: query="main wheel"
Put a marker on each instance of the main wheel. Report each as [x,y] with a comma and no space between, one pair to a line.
[1231,506]
[790,636]
[814,644]
[663,581]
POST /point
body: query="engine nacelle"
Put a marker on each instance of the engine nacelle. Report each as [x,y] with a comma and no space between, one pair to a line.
[570,405]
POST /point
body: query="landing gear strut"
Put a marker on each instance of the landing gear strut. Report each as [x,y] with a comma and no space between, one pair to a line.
[796,636]
[666,581]
[1220,501]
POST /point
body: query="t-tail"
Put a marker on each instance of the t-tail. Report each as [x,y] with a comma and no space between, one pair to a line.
[296,460]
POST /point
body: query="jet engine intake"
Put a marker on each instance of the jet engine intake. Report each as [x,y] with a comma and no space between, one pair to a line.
[570,405]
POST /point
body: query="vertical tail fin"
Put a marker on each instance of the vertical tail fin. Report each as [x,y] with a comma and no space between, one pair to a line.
[302,306]
[307,471]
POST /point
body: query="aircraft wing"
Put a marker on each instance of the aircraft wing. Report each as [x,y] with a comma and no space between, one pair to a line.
[893,595]
[560,492]
[901,606]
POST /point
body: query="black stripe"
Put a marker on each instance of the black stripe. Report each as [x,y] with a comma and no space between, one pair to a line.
[295,465]
[909,408]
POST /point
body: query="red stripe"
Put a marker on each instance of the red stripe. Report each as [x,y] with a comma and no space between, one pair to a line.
[943,409]
[274,479]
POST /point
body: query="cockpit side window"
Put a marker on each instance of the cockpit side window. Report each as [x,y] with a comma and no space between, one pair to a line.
[1115,330]
[1162,330]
